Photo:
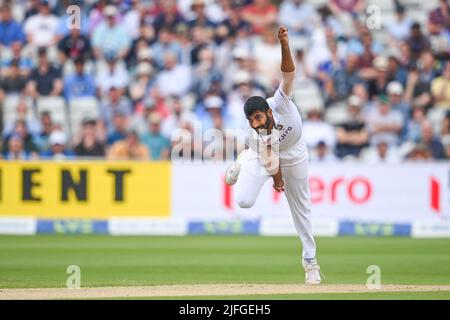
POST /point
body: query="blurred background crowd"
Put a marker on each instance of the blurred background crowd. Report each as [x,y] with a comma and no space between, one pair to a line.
[117,79]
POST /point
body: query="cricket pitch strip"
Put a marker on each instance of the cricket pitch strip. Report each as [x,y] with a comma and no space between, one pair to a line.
[193,290]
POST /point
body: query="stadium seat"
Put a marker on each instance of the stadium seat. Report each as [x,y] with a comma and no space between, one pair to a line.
[80,109]
[435,116]
[56,106]
[307,95]
[336,113]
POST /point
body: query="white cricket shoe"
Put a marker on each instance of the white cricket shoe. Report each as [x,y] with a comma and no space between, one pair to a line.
[312,272]
[233,170]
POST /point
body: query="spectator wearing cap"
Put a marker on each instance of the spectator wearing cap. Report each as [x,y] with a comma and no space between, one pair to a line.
[115,102]
[10,30]
[41,29]
[114,75]
[440,89]
[399,28]
[111,37]
[243,88]
[211,113]
[315,129]
[384,124]
[89,145]
[14,83]
[432,142]
[417,41]
[378,85]
[58,147]
[129,149]
[28,140]
[395,93]
[75,45]
[233,60]
[80,84]
[352,134]
[156,142]
[143,82]
[260,14]
[175,78]
[166,45]
[97,15]
[45,79]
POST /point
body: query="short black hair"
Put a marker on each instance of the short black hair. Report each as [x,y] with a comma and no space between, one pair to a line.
[255,103]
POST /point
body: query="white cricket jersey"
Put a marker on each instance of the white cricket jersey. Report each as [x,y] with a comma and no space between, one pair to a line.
[288,122]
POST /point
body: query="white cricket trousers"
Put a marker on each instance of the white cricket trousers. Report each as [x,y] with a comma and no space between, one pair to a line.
[253,175]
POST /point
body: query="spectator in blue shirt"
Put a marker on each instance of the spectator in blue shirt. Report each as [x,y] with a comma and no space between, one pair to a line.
[111,37]
[25,63]
[80,84]
[158,144]
[10,30]
[119,131]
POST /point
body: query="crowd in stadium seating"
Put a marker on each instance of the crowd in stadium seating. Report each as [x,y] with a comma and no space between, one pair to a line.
[117,79]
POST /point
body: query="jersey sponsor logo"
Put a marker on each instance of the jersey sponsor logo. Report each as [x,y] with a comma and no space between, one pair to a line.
[285,134]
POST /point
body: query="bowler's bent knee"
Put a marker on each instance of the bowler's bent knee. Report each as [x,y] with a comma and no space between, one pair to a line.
[244,202]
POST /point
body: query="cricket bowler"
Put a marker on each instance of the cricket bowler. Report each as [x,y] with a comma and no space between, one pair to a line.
[279,153]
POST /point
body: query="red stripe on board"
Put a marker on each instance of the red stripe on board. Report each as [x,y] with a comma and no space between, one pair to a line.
[435,191]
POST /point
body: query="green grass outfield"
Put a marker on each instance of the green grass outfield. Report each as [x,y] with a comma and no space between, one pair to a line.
[41,262]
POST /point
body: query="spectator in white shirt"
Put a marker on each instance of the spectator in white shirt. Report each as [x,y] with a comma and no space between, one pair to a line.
[382,152]
[41,29]
[175,79]
[384,124]
[298,16]
[315,129]
[112,76]
[399,28]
